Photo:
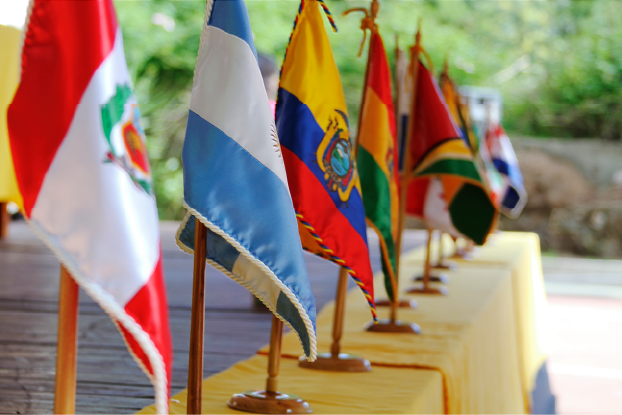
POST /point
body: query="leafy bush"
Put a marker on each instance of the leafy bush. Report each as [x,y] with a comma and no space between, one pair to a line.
[557,63]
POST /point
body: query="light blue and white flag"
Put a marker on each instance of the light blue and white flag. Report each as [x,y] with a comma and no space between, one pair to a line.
[513,195]
[234,176]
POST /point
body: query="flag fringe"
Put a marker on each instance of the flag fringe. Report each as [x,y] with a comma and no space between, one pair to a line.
[333,258]
[118,315]
[263,267]
[209,5]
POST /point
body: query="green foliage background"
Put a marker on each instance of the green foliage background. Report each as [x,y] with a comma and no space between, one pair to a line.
[558,64]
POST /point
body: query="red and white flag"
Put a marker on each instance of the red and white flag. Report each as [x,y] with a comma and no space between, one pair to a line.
[83,171]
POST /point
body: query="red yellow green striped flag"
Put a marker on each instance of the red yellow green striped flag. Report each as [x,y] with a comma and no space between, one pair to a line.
[376,158]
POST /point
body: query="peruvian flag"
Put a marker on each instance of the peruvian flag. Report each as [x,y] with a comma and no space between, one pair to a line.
[83,171]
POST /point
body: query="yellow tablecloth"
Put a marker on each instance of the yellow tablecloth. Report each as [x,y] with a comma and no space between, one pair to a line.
[385,390]
[519,252]
[482,342]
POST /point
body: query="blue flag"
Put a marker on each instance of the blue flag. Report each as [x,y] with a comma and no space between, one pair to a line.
[513,195]
[234,176]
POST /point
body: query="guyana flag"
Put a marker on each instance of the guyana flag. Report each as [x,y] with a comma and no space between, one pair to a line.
[377,157]
[481,155]
[438,151]
[459,111]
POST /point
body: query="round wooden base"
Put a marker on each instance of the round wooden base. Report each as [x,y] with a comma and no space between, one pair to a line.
[343,362]
[262,402]
[449,265]
[402,304]
[428,290]
[467,256]
[388,326]
[441,278]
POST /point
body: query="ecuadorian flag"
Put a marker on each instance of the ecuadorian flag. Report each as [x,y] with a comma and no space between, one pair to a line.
[377,159]
[438,151]
[312,124]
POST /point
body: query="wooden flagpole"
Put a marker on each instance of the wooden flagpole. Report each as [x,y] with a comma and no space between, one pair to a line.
[197,322]
[393,325]
[5,219]
[386,302]
[443,261]
[270,400]
[66,356]
[427,267]
[335,360]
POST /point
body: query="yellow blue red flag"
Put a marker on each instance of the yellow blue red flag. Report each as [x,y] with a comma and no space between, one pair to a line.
[313,127]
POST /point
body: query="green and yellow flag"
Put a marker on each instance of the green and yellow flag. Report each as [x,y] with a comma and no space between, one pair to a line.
[437,150]
[459,111]
[377,158]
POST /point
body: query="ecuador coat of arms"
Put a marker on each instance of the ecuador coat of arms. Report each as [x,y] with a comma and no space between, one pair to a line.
[335,158]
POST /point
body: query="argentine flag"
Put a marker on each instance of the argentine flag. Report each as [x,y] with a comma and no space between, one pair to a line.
[234,176]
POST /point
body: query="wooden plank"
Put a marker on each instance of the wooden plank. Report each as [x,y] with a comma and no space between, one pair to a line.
[109,381]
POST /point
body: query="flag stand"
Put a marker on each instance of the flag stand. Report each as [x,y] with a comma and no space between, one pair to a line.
[441,277]
[463,253]
[65,382]
[415,51]
[335,360]
[425,288]
[386,302]
[197,322]
[392,325]
[270,401]
[5,218]
[443,261]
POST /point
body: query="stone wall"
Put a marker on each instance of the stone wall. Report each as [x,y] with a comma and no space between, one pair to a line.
[575,195]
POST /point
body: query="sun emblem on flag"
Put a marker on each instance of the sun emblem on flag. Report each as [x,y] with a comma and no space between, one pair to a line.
[121,122]
[335,158]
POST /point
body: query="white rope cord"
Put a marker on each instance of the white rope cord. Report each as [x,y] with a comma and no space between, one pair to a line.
[263,267]
[208,12]
[118,315]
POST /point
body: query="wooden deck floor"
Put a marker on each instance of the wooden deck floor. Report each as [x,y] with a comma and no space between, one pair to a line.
[109,381]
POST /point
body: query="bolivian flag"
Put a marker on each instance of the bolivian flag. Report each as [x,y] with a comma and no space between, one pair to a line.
[313,128]
[377,158]
[437,150]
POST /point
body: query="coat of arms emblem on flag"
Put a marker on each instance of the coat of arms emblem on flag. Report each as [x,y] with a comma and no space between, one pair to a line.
[334,156]
[125,136]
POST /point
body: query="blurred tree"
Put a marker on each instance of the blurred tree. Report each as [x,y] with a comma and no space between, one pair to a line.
[557,63]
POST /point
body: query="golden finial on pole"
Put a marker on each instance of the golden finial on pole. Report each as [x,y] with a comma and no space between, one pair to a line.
[368,22]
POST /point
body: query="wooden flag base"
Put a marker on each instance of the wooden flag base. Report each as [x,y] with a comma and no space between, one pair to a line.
[341,362]
[423,289]
[449,265]
[335,361]
[270,400]
[394,326]
[401,304]
[263,402]
[441,278]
